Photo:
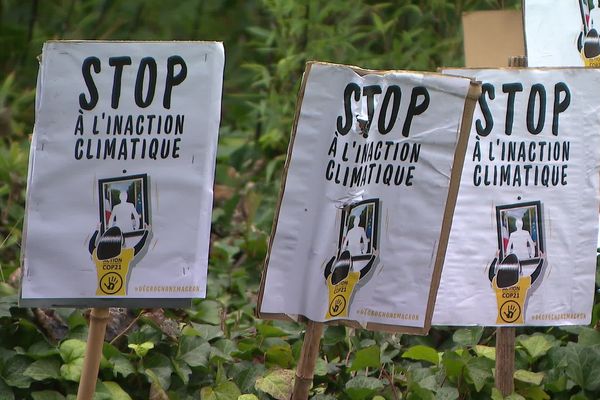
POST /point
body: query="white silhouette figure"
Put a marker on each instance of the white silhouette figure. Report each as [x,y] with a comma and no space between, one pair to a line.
[356,240]
[520,242]
[124,214]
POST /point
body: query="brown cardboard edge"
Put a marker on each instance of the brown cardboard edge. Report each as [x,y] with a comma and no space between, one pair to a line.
[457,167]
[282,187]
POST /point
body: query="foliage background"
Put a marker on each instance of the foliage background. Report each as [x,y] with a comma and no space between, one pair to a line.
[217,349]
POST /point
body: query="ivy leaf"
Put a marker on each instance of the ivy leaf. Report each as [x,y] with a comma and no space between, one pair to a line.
[122,365]
[277,383]
[534,378]
[13,372]
[446,393]
[141,350]
[245,375]
[280,355]
[205,331]
[39,370]
[6,303]
[268,330]
[46,395]
[468,336]
[247,397]
[422,353]
[116,391]
[536,345]
[208,311]
[159,368]
[321,367]
[72,351]
[182,370]
[583,366]
[41,349]
[366,358]
[486,351]
[5,391]
[224,391]
[362,387]
[479,370]
[194,351]
[534,393]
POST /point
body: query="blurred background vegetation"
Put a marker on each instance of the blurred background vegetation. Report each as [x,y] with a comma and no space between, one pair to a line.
[217,349]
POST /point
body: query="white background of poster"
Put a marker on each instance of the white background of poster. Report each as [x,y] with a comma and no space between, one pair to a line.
[62,206]
[308,224]
[551,32]
[465,296]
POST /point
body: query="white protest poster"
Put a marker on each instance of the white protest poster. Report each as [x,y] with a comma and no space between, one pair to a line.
[562,33]
[362,225]
[121,173]
[522,248]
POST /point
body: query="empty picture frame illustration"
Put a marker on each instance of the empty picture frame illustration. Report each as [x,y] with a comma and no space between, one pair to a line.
[521,231]
[124,202]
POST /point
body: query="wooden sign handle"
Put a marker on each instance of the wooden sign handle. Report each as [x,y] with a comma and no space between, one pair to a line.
[308,359]
[93,353]
[505,360]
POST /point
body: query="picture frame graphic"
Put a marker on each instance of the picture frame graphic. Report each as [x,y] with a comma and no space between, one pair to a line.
[530,215]
[136,188]
[367,212]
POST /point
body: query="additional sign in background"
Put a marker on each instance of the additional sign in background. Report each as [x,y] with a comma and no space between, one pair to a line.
[522,244]
[562,33]
[358,235]
[492,37]
[121,173]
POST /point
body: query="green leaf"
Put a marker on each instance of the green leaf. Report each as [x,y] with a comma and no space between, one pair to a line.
[208,311]
[194,351]
[13,372]
[116,391]
[247,397]
[280,355]
[362,387]
[446,393]
[205,331]
[277,383]
[46,395]
[159,366]
[320,367]
[47,368]
[122,366]
[41,349]
[268,330]
[479,370]
[534,393]
[366,358]
[468,336]
[534,378]
[422,353]
[537,345]
[182,370]
[583,366]
[486,351]
[245,375]
[224,391]
[72,351]
[5,391]
[141,349]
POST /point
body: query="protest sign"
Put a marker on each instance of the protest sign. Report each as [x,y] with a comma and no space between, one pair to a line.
[522,249]
[492,37]
[121,173]
[361,227]
[562,33]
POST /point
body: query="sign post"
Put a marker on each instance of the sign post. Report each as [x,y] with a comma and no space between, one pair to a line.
[118,138]
[93,353]
[308,359]
[370,152]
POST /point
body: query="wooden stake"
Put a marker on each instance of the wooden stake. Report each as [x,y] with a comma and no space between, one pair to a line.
[505,360]
[308,358]
[505,337]
[93,353]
